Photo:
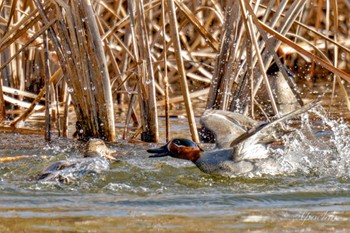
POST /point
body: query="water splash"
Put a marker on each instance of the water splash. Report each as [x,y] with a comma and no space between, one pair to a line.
[74,170]
[318,148]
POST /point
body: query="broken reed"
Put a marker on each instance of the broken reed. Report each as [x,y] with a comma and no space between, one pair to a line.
[129,52]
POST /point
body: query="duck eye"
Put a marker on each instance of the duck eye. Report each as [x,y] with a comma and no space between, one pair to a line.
[177,142]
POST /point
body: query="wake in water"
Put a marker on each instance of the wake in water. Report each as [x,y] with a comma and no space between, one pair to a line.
[315,148]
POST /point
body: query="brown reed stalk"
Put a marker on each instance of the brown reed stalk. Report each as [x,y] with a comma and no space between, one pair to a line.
[47,87]
[138,40]
[261,65]
[14,91]
[225,60]
[322,62]
[2,104]
[88,75]
[22,130]
[148,96]
[234,56]
[271,46]
[20,29]
[119,76]
[184,87]
[101,80]
[2,100]
[193,19]
[145,73]
[67,102]
[129,113]
[317,27]
[27,43]
[166,80]
[336,78]
[33,105]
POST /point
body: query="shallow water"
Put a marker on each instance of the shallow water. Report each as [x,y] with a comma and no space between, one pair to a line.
[140,194]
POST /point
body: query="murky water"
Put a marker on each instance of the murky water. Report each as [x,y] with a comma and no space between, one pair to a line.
[140,194]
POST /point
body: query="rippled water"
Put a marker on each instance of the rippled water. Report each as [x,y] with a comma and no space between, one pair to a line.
[140,194]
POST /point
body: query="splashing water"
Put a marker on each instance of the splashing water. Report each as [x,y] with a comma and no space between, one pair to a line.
[318,148]
[304,184]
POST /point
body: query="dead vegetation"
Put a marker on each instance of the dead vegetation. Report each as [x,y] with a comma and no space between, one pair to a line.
[143,56]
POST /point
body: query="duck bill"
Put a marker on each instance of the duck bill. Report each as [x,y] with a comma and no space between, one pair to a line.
[109,156]
[159,152]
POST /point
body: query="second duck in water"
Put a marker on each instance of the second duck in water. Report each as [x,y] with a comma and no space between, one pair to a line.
[239,150]
[96,159]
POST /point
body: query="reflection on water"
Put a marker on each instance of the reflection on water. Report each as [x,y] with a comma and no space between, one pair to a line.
[139,194]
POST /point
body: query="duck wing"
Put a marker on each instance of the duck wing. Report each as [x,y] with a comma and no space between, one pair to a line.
[226,126]
[253,143]
[53,168]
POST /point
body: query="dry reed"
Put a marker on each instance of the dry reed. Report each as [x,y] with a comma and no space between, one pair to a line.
[141,55]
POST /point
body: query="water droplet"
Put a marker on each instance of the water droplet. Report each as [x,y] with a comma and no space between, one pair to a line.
[342,56]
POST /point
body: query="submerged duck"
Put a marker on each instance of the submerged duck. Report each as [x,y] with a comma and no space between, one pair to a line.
[238,151]
[96,159]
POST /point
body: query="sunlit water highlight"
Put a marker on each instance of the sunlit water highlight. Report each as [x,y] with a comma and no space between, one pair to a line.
[307,190]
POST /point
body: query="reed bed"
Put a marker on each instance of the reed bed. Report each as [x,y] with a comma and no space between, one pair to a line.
[143,57]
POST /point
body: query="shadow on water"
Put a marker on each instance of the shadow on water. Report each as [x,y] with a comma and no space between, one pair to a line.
[307,190]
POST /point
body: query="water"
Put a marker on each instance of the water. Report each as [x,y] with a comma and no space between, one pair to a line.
[140,194]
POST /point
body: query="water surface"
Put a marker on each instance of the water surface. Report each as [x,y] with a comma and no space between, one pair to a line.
[140,194]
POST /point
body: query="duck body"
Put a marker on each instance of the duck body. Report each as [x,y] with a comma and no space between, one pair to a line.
[218,161]
[96,160]
[73,170]
[283,93]
[243,150]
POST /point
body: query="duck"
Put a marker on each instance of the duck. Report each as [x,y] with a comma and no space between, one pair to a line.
[96,158]
[226,126]
[239,149]
[282,88]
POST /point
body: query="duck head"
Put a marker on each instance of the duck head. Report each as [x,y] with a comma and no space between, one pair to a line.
[97,148]
[178,148]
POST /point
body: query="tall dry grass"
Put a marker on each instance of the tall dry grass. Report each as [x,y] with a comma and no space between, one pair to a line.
[146,56]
